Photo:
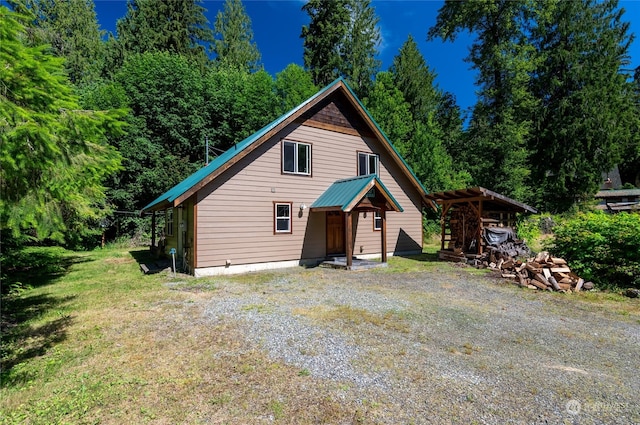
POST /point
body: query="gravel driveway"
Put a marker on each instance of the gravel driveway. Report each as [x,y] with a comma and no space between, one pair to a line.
[443,346]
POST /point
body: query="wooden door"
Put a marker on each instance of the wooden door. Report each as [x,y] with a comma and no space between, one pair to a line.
[335,233]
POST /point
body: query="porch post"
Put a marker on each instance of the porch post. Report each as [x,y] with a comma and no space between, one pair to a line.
[480,227]
[153,229]
[383,234]
[348,239]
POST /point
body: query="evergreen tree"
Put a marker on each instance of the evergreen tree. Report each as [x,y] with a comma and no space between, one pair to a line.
[324,38]
[54,156]
[419,142]
[174,26]
[416,80]
[439,119]
[501,122]
[233,45]
[71,29]
[360,46]
[586,112]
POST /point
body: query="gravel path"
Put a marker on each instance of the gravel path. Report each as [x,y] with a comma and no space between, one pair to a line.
[444,346]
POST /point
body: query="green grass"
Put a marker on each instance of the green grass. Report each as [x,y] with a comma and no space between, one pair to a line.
[87,338]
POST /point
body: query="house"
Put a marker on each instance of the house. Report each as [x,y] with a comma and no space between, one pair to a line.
[618,200]
[322,180]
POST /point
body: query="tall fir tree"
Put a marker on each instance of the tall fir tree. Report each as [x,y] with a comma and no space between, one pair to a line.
[53,156]
[501,123]
[174,26]
[233,45]
[416,80]
[71,29]
[586,112]
[324,38]
[418,141]
[360,46]
[439,117]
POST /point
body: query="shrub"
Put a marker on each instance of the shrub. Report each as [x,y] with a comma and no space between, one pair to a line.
[601,247]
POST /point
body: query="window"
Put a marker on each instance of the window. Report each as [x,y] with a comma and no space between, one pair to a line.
[377,221]
[367,163]
[296,158]
[282,212]
[169,221]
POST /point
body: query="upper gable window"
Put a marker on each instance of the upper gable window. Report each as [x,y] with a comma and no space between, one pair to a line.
[296,158]
[367,163]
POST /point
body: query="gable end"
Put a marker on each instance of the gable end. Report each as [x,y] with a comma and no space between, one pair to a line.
[336,114]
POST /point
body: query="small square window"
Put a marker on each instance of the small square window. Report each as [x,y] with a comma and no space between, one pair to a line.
[296,158]
[367,163]
[377,221]
[282,217]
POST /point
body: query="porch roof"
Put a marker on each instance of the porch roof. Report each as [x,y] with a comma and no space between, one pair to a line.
[347,194]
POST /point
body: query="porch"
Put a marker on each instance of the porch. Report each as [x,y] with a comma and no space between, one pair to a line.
[341,202]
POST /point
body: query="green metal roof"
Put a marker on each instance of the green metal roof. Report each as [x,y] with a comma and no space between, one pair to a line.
[166,199]
[346,193]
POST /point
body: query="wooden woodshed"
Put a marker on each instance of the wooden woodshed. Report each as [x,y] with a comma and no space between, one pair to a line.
[467,212]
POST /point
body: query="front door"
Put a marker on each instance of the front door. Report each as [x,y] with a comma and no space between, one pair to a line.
[335,233]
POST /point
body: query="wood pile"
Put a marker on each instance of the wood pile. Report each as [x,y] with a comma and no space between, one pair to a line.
[464,226]
[543,272]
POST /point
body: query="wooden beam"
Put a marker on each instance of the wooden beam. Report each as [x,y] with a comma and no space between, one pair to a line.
[153,229]
[348,224]
[445,210]
[479,236]
[331,127]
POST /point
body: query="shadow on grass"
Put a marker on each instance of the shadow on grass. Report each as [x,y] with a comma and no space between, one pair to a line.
[35,267]
[427,257]
[20,338]
[153,264]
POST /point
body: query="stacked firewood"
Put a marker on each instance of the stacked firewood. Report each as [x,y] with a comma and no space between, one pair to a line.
[542,272]
[464,226]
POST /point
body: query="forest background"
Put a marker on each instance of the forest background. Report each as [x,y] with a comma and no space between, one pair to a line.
[95,125]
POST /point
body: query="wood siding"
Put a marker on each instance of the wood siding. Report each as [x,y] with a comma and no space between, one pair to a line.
[235,211]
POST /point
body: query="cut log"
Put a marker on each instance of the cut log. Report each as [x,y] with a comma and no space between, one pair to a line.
[559,261]
[579,285]
[542,257]
[546,273]
[566,280]
[560,270]
[538,285]
[534,268]
[532,287]
[507,264]
[540,278]
[552,280]
[522,280]
[508,275]
[565,286]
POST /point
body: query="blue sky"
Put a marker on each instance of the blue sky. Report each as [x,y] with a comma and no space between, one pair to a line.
[277,25]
